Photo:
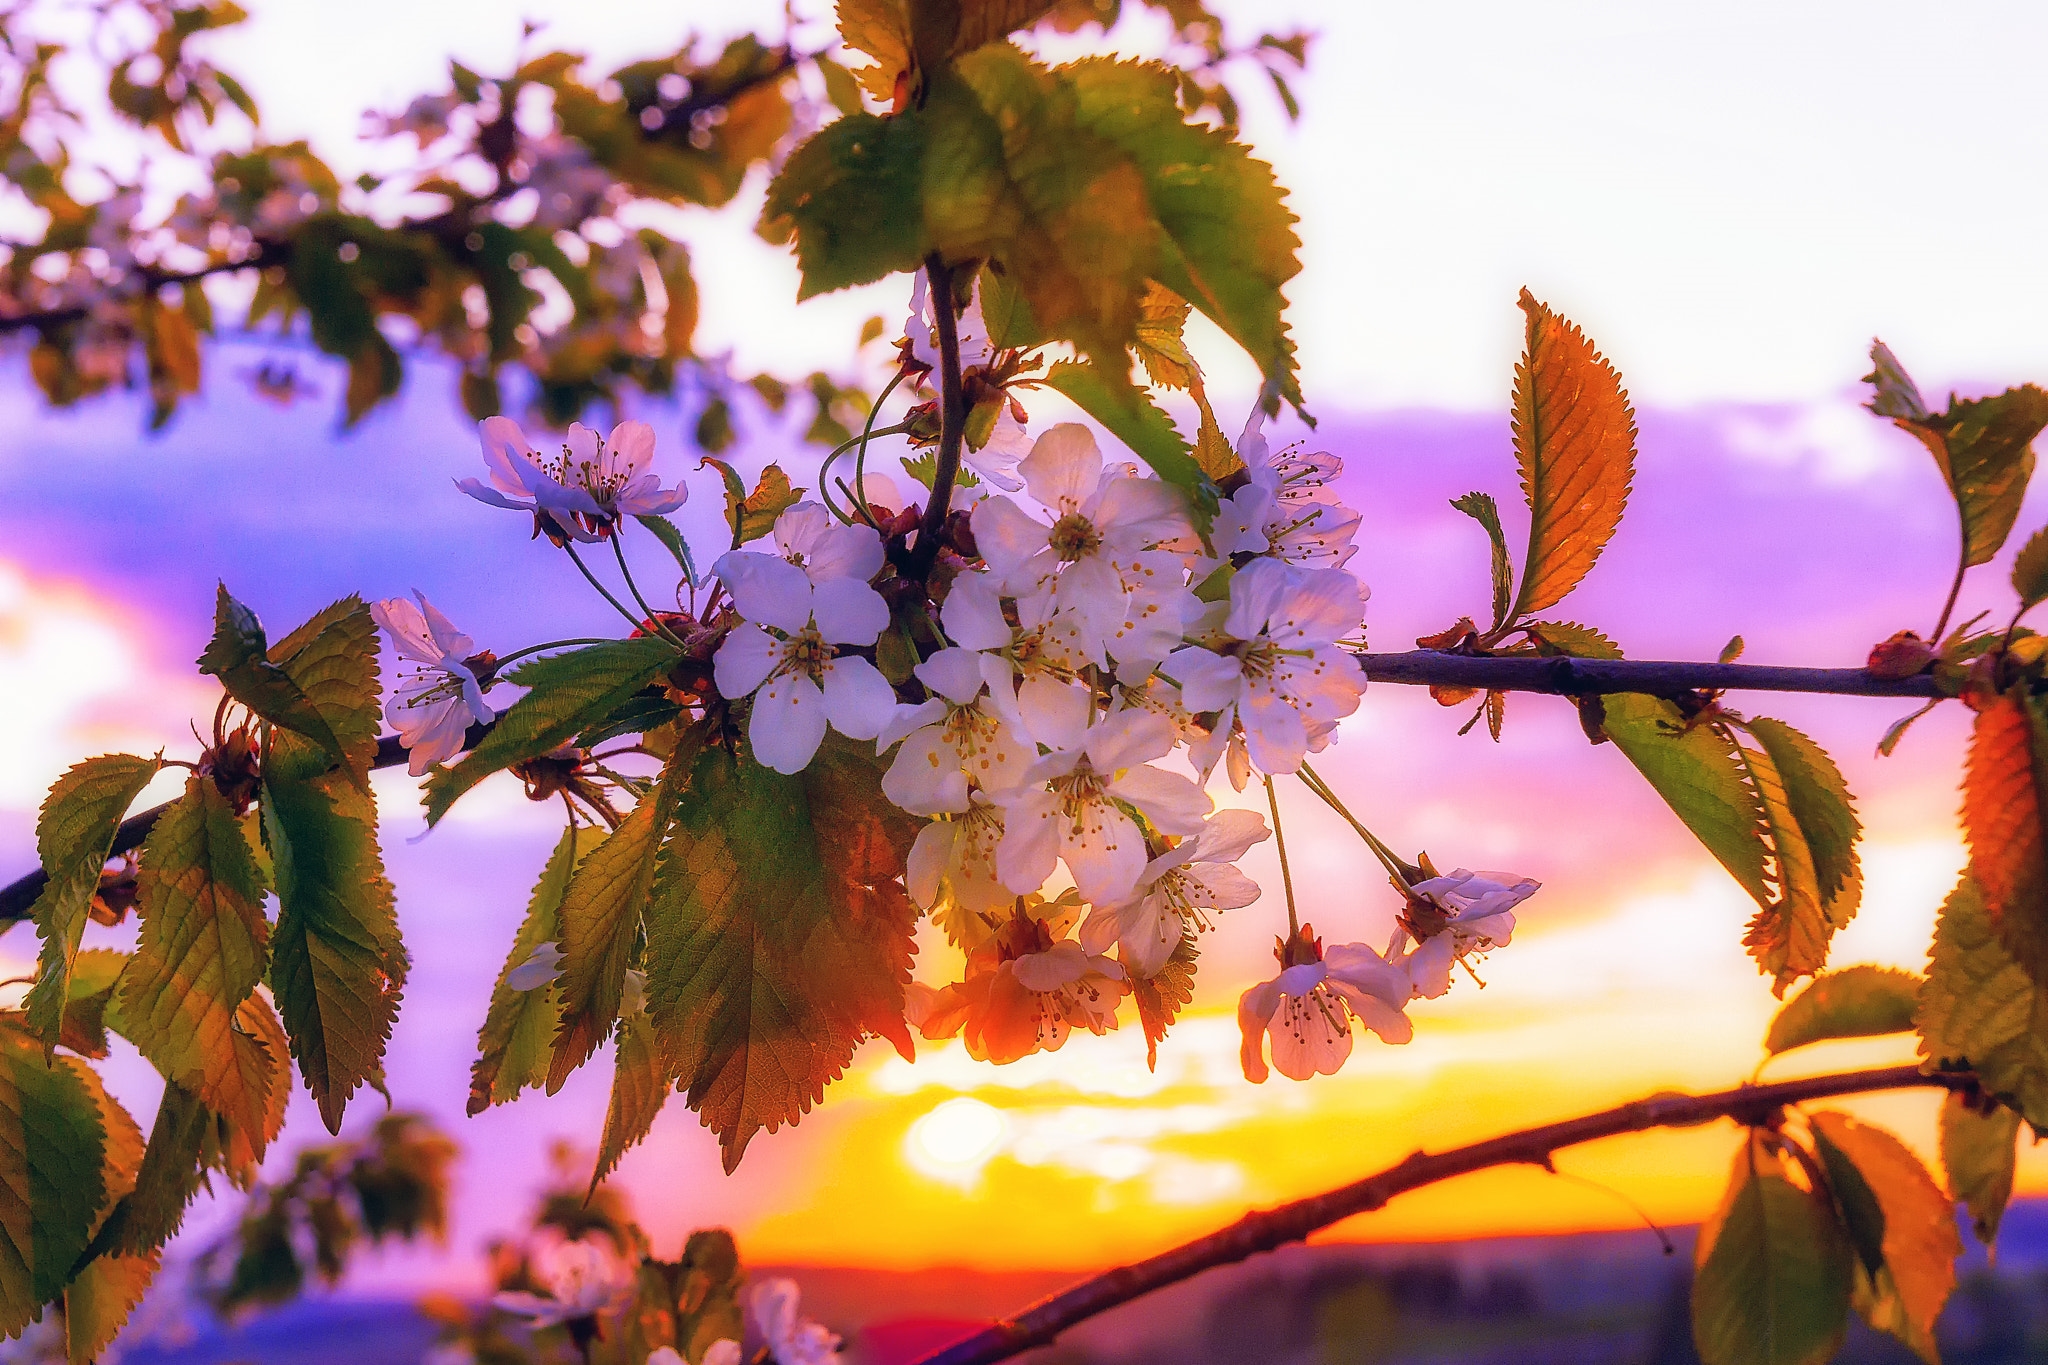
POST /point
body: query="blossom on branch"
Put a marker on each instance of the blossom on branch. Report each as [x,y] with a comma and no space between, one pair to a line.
[585,490]
[434,702]
[1456,918]
[1307,1009]
[582,1279]
[1287,508]
[1024,993]
[790,1339]
[1194,876]
[967,734]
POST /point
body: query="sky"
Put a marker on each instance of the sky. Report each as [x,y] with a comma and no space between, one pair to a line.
[1732,202]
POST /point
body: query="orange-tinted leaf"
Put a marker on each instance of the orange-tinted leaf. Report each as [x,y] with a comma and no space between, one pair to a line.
[1575,439]
[1979,1008]
[2002,817]
[1920,1239]
[1164,995]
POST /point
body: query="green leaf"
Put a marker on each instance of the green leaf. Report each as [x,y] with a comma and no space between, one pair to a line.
[95,972]
[53,1178]
[1165,995]
[1774,1272]
[74,833]
[666,532]
[1979,1153]
[2030,570]
[98,1302]
[1920,1242]
[640,1086]
[1980,1009]
[239,655]
[1862,1215]
[172,1168]
[565,693]
[1700,776]
[1980,445]
[599,924]
[780,934]
[1794,923]
[1161,346]
[1571,640]
[1228,238]
[1482,509]
[338,965]
[1575,440]
[1856,1002]
[1131,418]
[518,1032]
[850,196]
[202,950]
[332,659]
[1818,804]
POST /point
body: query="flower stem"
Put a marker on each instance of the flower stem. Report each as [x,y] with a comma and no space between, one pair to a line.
[1393,865]
[504,659]
[1286,874]
[952,417]
[627,573]
[603,591]
[867,433]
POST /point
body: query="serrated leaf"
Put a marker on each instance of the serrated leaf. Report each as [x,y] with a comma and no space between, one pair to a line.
[1818,801]
[1979,1154]
[2030,570]
[167,1178]
[1794,923]
[332,659]
[1700,776]
[1774,1271]
[203,947]
[1572,640]
[640,1086]
[1920,1240]
[1981,1009]
[565,693]
[1855,1002]
[74,833]
[1895,394]
[239,655]
[849,195]
[754,516]
[517,1037]
[1163,996]
[957,27]
[337,963]
[95,972]
[53,1178]
[1228,237]
[779,936]
[1214,455]
[1131,418]
[1862,1214]
[1482,509]
[1575,440]
[881,29]
[98,1302]
[1161,348]
[666,531]
[599,923]
[2002,816]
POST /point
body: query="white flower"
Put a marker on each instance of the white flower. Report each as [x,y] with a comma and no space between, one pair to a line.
[1274,665]
[796,608]
[1288,508]
[996,459]
[957,858]
[724,1351]
[922,328]
[617,473]
[1073,811]
[1175,888]
[1465,915]
[433,704]
[968,733]
[811,538]
[1078,987]
[1074,567]
[582,1279]
[791,1340]
[541,966]
[519,482]
[1307,1009]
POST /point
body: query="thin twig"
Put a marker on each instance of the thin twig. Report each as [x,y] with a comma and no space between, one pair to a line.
[952,417]
[1592,677]
[1271,1228]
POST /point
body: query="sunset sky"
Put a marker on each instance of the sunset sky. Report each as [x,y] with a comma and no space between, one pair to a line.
[1730,204]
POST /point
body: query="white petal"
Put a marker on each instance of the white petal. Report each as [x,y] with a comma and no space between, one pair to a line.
[788,723]
[907,719]
[1254,1011]
[954,674]
[1136,514]
[1357,965]
[744,661]
[1031,841]
[1006,535]
[845,552]
[402,621]
[764,588]
[1063,468]
[1311,1036]
[508,456]
[1127,739]
[1208,681]
[451,642]
[1174,804]
[849,612]
[858,699]
[1106,854]
[631,447]
[1229,834]
[1256,592]
[925,778]
[930,855]
[973,613]
[1055,713]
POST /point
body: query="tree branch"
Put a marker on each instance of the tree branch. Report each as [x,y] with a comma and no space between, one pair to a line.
[1272,1228]
[952,418]
[19,896]
[1591,677]
[267,253]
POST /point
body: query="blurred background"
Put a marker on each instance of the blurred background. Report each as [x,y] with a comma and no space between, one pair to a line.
[1731,201]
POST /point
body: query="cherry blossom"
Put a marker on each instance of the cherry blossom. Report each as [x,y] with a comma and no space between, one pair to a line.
[541,966]
[1273,664]
[968,733]
[772,1318]
[435,702]
[1024,993]
[1308,1008]
[921,328]
[1175,889]
[1075,567]
[1287,507]
[1458,917]
[1073,808]
[797,606]
[956,859]
[582,1279]
[995,460]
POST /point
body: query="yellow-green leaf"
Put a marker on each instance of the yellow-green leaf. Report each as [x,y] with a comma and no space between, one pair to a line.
[1700,776]
[850,196]
[1482,509]
[1774,1270]
[1790,934]
[1161,348]
[1163,996]
[640,1086]
[1855,1002]
[881,29]
[1131,418]
[1980,1008]
[2030,570]
[53,1176]
[239,655]
[1920,1241]
[1979,1153]
[1575,439]
[74,832]
[98,1302]
[1819,801]
[754,516]
[1983,448]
